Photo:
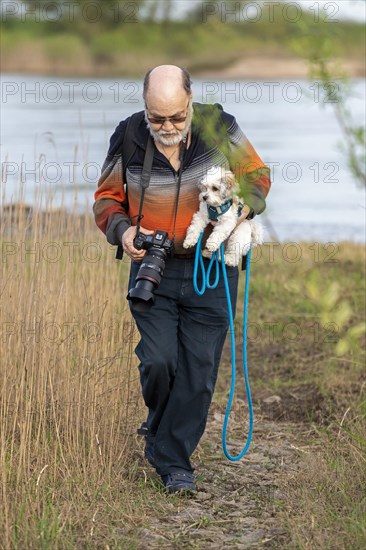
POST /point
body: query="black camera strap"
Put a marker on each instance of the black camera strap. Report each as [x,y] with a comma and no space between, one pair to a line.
[145,177]
[181,158]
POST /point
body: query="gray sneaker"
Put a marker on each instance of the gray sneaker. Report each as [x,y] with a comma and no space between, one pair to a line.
[179,482]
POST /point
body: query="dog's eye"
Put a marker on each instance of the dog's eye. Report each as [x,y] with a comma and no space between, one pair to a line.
[215,188]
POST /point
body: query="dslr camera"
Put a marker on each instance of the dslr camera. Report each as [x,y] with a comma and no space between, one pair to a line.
[148,277]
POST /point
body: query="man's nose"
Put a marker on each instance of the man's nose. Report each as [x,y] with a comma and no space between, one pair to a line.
[167,124]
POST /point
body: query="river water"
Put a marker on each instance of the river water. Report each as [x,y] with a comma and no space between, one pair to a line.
[55,134]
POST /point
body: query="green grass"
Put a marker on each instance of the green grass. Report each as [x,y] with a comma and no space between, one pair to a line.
[290,320]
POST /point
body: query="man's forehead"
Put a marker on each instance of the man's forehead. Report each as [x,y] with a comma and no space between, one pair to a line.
[166,105]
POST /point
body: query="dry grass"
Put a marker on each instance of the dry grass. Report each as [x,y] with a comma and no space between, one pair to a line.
[69,398]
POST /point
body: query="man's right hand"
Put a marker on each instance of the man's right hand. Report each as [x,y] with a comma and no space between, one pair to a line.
[127,243]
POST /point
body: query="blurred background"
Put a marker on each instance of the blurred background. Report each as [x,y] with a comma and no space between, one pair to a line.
[293,73]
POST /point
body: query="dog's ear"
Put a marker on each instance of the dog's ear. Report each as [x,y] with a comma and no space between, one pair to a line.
[202,183]
[230,180]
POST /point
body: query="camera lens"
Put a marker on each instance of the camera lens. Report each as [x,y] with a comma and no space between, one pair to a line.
[147,279]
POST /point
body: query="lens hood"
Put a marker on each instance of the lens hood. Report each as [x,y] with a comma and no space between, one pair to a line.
[141,299]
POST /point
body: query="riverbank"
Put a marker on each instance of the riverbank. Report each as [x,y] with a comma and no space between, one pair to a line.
[71,465]
[224,50]
[273,67]
[261,67]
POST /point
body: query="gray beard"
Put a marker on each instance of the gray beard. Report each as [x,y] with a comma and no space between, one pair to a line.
[179,135]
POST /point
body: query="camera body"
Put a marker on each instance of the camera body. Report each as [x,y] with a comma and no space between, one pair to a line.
[158,240]
[148,278]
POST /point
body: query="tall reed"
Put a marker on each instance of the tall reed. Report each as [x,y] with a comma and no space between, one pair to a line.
[69,396]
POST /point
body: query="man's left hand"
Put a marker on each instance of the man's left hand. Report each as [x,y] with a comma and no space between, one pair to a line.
[243,215]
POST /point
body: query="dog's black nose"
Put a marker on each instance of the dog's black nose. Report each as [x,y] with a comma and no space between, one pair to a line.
[205,197]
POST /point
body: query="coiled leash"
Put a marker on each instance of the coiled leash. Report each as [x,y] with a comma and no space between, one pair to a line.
[206,275]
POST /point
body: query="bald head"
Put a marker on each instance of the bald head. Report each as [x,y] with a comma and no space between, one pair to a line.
[166,83]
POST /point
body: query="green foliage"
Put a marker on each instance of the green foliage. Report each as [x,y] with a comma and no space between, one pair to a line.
[355,146]
[351,339]
[337,92]
[320,44]
[332,309]
[207,121]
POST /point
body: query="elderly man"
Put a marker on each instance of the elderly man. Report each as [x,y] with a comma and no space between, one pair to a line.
[182,334]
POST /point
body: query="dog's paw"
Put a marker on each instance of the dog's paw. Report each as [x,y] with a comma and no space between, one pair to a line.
[206,253]
[212,246]
[189,242]
[232,259]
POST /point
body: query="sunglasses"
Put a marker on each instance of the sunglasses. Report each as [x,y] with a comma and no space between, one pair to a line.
[175,119]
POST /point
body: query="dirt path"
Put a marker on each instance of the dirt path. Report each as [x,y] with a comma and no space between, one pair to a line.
[237,503]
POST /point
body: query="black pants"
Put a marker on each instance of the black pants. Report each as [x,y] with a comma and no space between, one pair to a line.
[182,337]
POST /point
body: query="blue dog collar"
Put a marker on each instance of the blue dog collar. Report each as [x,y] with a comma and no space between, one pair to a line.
[214,212]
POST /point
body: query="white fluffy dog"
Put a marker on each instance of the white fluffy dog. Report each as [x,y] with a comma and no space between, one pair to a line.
[219,203]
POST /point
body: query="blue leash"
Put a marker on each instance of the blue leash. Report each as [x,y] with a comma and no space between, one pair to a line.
[198,263]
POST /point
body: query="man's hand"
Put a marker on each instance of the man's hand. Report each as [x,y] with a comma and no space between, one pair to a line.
[243,215]
[127,243]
